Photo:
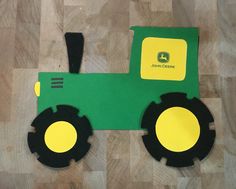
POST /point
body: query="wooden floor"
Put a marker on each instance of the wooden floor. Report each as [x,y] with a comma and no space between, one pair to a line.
[31,40]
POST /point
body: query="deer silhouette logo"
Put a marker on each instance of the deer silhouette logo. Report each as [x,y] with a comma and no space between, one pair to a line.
[163,57]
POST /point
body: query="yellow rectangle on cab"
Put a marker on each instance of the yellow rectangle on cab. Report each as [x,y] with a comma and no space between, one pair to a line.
[163,59]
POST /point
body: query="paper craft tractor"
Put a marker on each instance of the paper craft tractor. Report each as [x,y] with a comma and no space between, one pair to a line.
[159,94]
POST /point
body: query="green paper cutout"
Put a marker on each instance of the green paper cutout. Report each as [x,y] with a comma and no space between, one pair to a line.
[117,101]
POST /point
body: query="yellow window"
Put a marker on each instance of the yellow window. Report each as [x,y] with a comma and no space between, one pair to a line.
[163,59]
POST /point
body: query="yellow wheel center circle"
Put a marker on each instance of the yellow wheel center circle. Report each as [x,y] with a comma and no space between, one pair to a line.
[177,129]
[60,136]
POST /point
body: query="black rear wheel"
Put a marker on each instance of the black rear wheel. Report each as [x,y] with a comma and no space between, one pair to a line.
[178,130]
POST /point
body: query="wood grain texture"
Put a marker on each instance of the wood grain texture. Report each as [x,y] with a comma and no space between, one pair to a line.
[31,40]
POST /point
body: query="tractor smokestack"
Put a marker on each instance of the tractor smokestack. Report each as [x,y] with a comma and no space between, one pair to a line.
[75,47]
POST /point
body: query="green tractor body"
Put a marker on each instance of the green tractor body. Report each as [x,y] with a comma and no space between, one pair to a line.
[116,101]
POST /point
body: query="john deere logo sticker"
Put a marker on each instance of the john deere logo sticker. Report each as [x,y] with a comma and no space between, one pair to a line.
[163,57]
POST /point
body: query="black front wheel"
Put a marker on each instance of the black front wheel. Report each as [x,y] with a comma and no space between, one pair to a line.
[60,136]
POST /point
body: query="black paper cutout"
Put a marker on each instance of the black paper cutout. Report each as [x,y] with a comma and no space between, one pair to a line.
[44,120]
[205,140]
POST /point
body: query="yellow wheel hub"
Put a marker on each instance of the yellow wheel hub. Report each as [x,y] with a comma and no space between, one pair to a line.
[177,129]
[60,136]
